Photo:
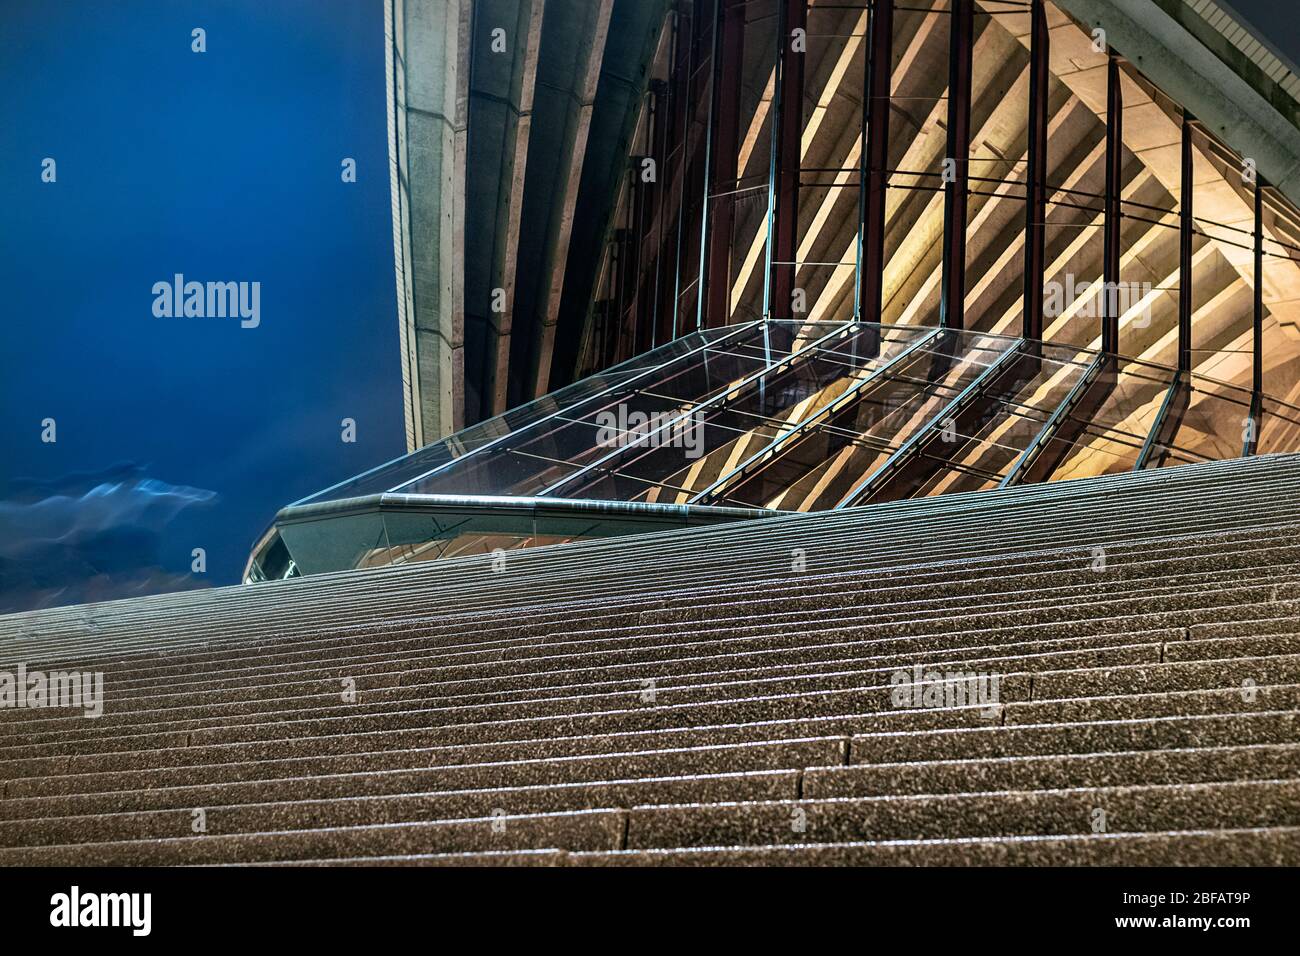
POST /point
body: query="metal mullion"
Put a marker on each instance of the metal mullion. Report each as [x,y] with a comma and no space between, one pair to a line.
[1251,444]
[1112,212]
[720,159]
[1185,249]
[874,160]
[683,170]
[787,133]
[1036,175]
[952,304]
[1149,444]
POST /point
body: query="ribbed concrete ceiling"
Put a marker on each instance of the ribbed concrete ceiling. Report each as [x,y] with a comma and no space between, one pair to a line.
[510,126]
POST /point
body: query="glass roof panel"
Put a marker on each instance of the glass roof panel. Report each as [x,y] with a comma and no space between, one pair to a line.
[533,459]
[1022,400]
[829,458]
[1211,426]
[391,475]
[689,455]
[1279,427]
[1105,432]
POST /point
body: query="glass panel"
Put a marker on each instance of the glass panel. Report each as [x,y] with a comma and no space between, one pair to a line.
[1223,299]
[536,457]
[737,204]
[1105,432]
[1279,428]
[1211,424]
[428,535]
[445,533]
[1021,400]
[818,470]
[995,217]
[1281,282]
[336,543]
[689,455]
[917,145]
[1152,175]
[714,367]
[691,184]
[272,562]
[830,176]
[1076,184]
[393,474]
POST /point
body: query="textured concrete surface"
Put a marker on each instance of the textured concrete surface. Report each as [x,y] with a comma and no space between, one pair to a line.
[613,708]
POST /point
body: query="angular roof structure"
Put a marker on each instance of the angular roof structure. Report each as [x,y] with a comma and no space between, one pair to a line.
[752,420]
[849,253]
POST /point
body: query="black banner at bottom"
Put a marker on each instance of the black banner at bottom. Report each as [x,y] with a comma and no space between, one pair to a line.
[333,906]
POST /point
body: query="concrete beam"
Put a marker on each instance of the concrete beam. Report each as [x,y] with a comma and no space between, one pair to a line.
[510,207]
[1178,63]
[582,103]
[428,52]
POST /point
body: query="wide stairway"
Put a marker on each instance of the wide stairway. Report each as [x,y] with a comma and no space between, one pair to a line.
[731,695]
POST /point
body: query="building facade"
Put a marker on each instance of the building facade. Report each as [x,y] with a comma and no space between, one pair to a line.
[803,256]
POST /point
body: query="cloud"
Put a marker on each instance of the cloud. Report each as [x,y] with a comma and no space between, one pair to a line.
[89,536]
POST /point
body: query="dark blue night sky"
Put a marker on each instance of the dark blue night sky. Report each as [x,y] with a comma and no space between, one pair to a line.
[178,433]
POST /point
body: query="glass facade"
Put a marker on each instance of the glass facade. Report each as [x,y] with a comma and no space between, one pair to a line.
[1016,156]
[773,417]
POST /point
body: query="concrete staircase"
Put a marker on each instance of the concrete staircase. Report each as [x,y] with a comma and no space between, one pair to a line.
[713,696]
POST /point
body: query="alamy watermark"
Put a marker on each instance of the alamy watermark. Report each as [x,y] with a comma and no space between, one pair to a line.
[209,300]
[133,911]
[1095,298]
[82,690]
[922,689]
[620,427]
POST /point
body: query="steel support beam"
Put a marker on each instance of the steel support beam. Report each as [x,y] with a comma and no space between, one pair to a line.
[680,90]
[693,172]
[874,163]
[1166,423]
[915,445]
[661,108]
[783,239]
[721,151]
[1257,338]
[1251,443]
[1036,174]
[1111,210]
[640,332]
[1185,250]
[952,302]
[627,276]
